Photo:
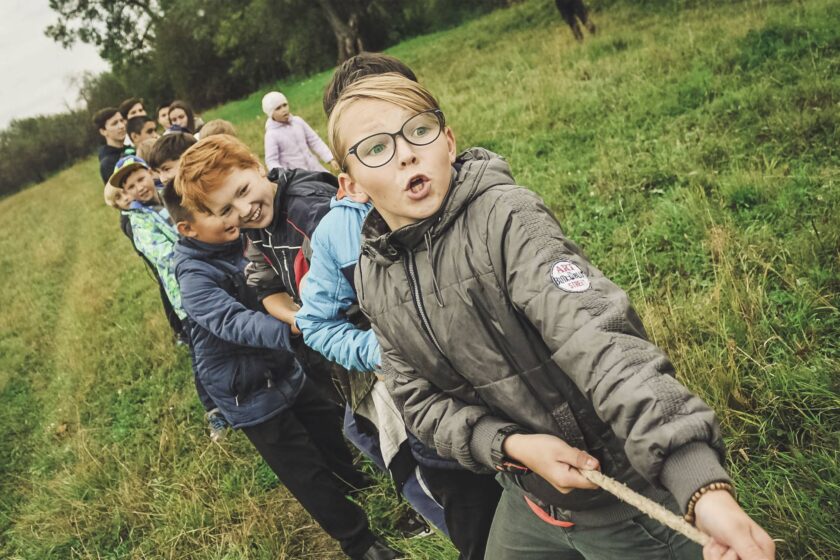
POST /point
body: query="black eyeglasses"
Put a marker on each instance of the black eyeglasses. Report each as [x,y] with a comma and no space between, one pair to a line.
[420,130]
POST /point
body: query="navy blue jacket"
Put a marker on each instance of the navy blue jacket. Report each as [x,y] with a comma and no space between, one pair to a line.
[242,357]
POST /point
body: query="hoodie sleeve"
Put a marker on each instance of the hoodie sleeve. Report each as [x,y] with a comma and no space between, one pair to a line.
[670,435]
[440,421]
[315,143]
[326,296]
[272,149]
[218,312]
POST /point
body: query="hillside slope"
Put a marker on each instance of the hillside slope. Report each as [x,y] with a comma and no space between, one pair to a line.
[692,153]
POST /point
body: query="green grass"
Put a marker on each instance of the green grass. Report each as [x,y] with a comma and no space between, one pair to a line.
[693,153]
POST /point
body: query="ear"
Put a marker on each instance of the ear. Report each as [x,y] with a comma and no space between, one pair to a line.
[353,189]
[132,137]
[102,132]
[185,229]
[450,144]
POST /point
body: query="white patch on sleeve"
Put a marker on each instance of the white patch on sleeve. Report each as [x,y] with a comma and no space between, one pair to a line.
[569,277]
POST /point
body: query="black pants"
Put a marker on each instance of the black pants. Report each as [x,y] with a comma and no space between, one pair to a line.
[305,449]
[469,503]
[323,372]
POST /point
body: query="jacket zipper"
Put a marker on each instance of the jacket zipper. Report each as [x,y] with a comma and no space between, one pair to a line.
[414,285]
[287,280]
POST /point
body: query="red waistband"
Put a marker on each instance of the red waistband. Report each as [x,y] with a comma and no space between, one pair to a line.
[543,515]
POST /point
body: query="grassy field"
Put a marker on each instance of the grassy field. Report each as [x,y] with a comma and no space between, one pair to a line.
[692,151]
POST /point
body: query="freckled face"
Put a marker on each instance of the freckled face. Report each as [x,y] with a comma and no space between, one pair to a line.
[244,199]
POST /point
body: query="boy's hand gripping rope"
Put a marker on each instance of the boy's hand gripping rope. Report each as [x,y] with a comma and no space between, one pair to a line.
[647,506]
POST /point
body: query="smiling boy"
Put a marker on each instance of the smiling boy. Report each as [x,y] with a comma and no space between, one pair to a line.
[509,351]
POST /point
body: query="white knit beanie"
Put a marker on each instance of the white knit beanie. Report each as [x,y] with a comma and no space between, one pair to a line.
[271,101]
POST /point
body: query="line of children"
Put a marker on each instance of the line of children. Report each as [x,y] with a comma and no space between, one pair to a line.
[503,347]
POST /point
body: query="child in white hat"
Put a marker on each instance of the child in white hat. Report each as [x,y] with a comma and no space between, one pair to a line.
[289,141]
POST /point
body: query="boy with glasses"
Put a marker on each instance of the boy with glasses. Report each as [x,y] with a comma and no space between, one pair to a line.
[508,351]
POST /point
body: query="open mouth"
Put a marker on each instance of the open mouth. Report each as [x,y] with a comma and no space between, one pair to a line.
[416,183]
[418,187]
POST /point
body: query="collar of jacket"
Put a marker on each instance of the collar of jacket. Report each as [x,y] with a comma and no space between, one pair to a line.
[196,248]
[475,171]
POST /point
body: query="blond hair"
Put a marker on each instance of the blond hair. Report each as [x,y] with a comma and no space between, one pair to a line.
[144,148]
[206,164]
[217,126]
[111,193]
[391,88]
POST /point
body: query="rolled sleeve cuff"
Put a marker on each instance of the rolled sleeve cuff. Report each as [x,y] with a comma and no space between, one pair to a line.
[690,468]
[482,439]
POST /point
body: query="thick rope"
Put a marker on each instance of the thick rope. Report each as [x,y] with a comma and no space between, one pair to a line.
[647,506]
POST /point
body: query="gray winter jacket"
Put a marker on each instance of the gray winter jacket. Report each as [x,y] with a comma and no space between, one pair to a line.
[489,316]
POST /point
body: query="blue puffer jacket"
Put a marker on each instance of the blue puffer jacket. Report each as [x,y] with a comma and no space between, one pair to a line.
[242,357]
[329,292]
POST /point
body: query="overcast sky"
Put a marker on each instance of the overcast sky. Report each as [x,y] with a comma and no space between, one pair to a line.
[34,69]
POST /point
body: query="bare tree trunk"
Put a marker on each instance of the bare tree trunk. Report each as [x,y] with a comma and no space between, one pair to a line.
[346,34]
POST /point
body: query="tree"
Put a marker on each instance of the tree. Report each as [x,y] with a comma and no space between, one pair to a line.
[347,36]
[122,30]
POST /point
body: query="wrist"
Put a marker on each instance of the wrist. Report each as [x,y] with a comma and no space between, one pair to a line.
[500,450]
[716,492]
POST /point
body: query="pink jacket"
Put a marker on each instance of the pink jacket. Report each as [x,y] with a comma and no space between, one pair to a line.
[291,144]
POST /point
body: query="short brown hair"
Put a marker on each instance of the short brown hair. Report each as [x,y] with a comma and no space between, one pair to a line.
[103,115]
[206,164]
[391,88]
[217,126]
[144,148]
[357,67]
[169,147]
[174,204]
[126,105]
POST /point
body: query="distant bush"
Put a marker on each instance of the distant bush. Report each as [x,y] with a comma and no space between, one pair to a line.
[33,148]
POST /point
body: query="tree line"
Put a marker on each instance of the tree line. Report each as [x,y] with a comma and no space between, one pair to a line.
[207,52]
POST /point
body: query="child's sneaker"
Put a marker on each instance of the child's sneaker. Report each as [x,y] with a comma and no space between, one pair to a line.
[412,525]
[218,425]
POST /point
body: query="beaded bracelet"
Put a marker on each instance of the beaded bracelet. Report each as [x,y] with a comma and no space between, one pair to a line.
[689,510]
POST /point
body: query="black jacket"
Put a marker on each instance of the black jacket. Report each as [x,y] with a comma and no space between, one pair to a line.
[277,260]
[108,158]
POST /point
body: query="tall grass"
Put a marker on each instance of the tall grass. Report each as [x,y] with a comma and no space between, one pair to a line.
[692,151]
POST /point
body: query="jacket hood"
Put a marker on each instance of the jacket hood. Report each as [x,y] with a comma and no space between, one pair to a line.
[475,171]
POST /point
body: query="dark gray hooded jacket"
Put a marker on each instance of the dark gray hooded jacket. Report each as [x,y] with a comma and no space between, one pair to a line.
[489,316]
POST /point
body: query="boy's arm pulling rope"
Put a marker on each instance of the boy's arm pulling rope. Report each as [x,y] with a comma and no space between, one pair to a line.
[647,506]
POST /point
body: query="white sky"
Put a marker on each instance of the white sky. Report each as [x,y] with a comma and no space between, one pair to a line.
[35,70]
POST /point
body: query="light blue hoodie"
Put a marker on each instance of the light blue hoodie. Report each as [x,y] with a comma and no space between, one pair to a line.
[328,290]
